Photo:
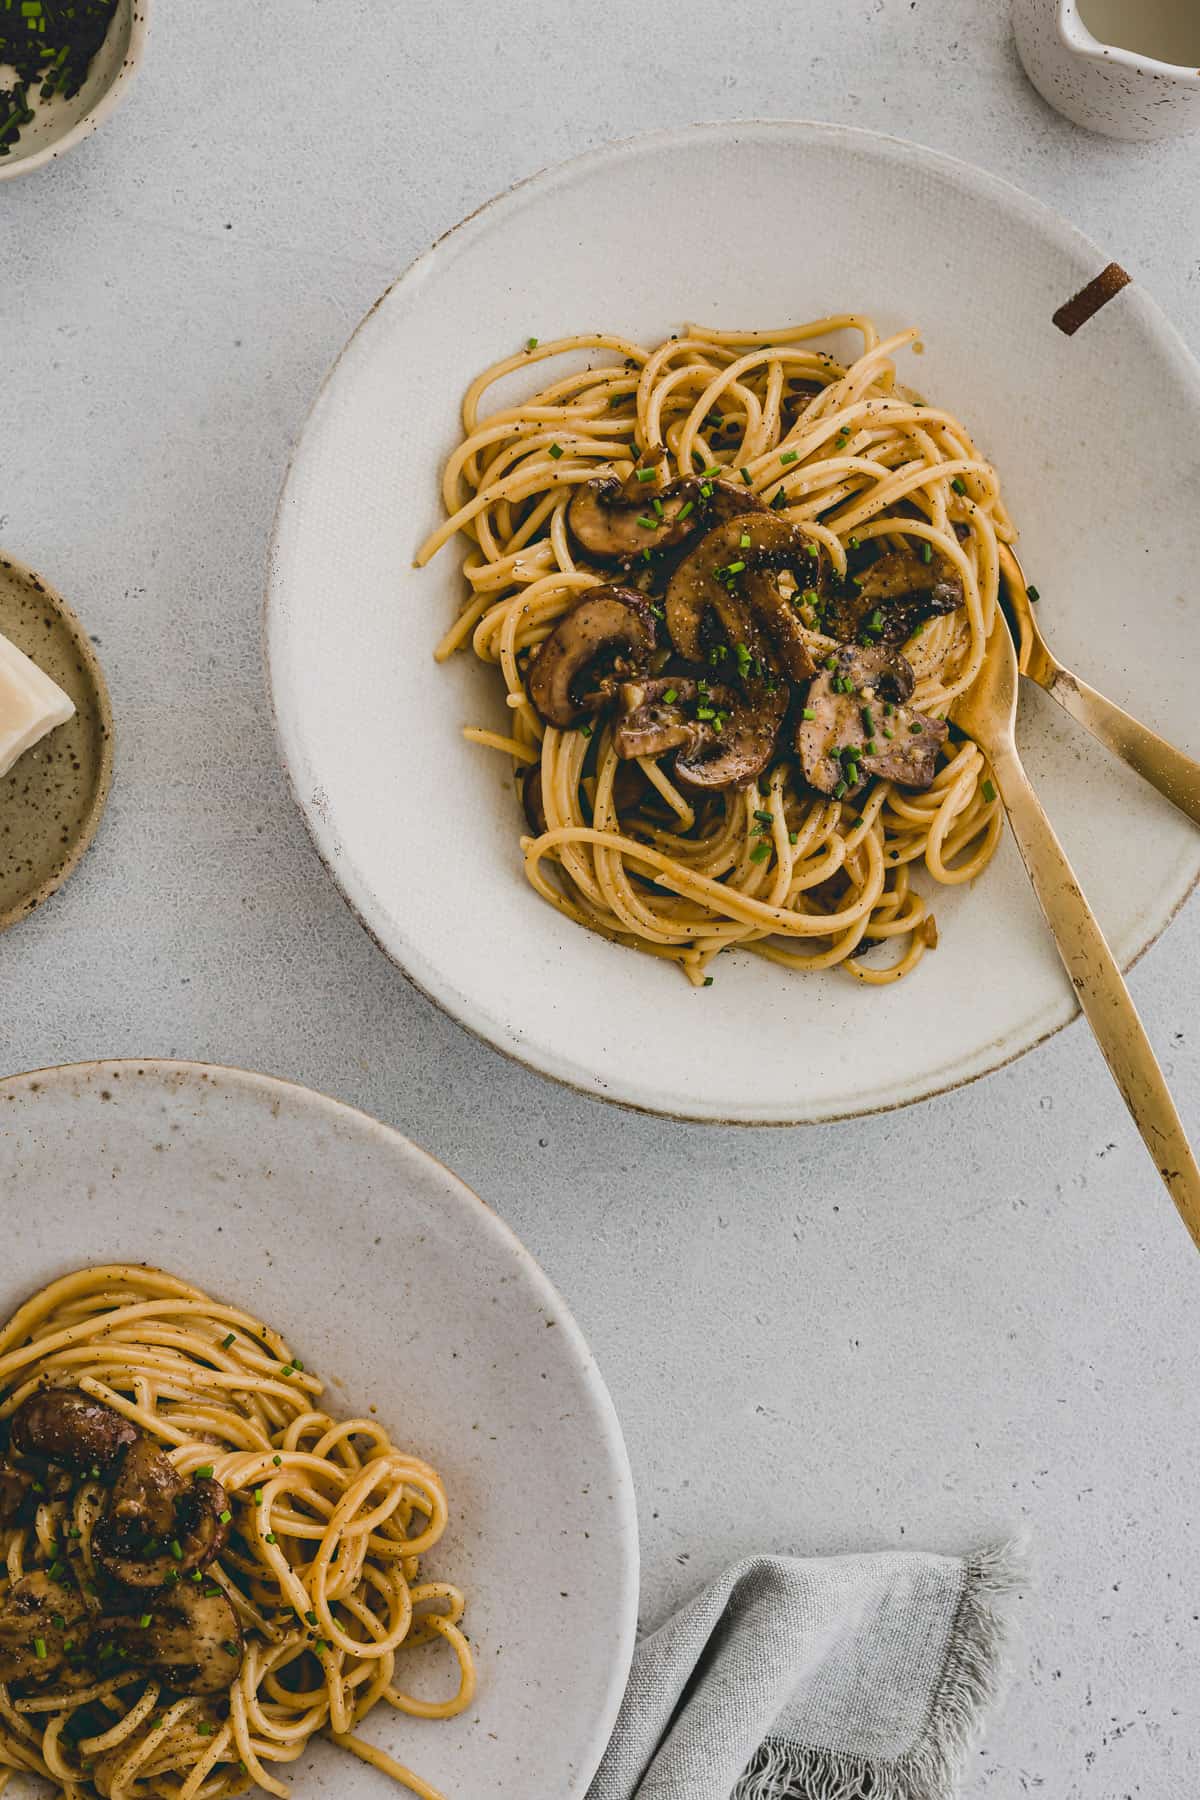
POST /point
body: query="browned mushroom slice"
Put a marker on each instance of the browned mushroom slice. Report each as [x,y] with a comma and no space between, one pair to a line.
[903,589]
[16,1485]
[191,1639]
[608,631]
[70,1428]
[38,1617]
[856,725]
[725,597]
[531,798]
[721,737]
[798,396]
[158,1527]
[614,521]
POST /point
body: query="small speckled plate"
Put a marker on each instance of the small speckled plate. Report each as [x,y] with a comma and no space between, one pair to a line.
[52,798]
[411,1297]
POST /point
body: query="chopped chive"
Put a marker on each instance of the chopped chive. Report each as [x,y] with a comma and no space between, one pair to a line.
[780,499]
[707,474]
[869,748]
[288,1369]
[204,1472]
[766,817]
[58,1622]
[57,1569]
[708,981]
[789,456]
[793,837]
[747,477]
[685,509]
[988,792]
[1033,594]
[671,696]
[853,542]
[531,343]
[271,1538]
[311,1618]
[204,1728]
[177,1549]
[959,485]
[734,568]
[658,506]
[555,451]
[258,1496]
[927,551]
[230,1340]
[39,1649]
[887,733]
[760,853]
[647,523]
[706,490]
[647,474]
[229,1648]
[145,1619]
[916,727]
[839,790]
[744,541]
[225,1516]
[278,1461]
[868,721]
[809,713]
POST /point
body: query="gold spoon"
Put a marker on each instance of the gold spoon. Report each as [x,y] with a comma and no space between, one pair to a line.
[987,713]
[1174,775]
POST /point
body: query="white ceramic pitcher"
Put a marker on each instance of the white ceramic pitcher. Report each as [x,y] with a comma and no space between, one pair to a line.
[1129,68]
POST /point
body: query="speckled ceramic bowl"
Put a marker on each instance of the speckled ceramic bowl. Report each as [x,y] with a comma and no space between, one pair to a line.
[59,125]
[1104,86]
[52,799]
[410,1296]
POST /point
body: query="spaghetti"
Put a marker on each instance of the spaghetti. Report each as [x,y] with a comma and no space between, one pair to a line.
[322,1527]
[799,860]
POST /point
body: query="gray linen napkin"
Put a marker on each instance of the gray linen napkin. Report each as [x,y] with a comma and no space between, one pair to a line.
[835,1678]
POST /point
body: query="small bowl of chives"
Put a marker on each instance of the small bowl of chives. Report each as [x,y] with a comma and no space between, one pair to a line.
[65,65]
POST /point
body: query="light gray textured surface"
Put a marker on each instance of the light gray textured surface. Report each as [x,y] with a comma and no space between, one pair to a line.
[918,1329]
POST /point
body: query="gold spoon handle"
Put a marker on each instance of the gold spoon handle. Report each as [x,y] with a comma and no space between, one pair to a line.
[1174,775]
[1098,982]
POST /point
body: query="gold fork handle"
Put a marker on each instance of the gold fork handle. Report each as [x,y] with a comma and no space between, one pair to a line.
[1098,982]
[1174,775]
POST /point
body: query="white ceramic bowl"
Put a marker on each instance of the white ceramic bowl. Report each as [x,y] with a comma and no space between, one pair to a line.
[407,1293]
[59,125]
[1093,436]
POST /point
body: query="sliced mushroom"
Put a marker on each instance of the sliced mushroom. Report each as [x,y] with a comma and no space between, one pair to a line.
[37,1621]
[531,798]
[608,631]
[16,1485]
[860,701]
[721,737]
[191,1639]
[614,521]
[70,1428]
[903,589]
[798,396]
[725,595]
[158,1527]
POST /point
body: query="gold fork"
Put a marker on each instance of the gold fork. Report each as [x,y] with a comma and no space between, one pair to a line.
[987,713]
[1174,775]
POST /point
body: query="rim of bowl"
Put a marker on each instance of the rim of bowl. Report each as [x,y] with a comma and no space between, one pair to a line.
[107,104]
[1064,230]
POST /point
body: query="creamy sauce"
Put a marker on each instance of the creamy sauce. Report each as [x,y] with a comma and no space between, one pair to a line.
[1168,30]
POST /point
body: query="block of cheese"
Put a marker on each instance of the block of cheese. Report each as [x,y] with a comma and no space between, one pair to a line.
[30,704]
